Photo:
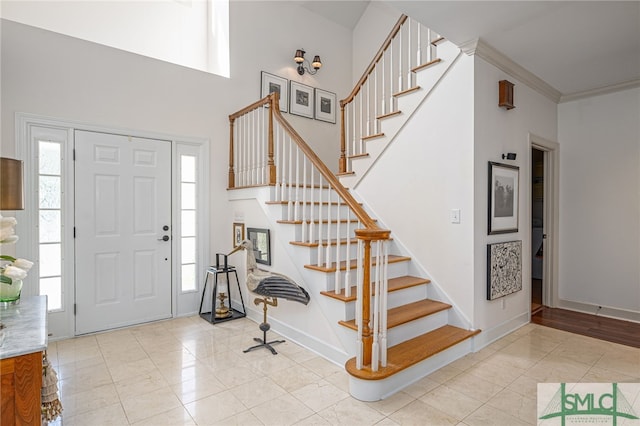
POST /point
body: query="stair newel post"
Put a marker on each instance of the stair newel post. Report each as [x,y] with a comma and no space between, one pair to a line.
[270,161]
[232,173]
[342,162]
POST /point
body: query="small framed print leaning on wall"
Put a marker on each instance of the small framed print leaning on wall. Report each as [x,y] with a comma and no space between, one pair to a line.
[503,198]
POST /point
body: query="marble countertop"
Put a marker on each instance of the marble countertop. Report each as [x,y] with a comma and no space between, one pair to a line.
[25,327]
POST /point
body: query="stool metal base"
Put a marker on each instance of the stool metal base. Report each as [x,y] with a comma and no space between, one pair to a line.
[263,342]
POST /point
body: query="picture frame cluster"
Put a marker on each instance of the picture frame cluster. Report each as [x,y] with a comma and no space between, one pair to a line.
[300,99]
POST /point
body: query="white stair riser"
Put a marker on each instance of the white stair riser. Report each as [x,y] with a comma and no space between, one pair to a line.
[394,270]
[394,299]
[299,210]
[375,390]
[277,194]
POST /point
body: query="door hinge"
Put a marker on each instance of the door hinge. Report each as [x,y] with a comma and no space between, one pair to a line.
[74,154]
[75,308]
[74,232]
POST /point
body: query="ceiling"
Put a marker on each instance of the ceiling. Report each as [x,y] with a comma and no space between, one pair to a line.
[573,46]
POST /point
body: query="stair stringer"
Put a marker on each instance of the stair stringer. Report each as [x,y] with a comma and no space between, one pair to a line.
[427,80]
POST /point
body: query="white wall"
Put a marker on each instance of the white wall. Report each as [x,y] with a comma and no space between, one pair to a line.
[425,172]
[499,131]
[178,32]
[58,76]
[372,29]
[600,201]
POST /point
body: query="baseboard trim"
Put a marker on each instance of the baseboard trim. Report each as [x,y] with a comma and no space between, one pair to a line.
[492,334]
[606,311]
[330,353]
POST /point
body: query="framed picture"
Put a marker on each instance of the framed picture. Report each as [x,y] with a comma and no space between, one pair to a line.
[503,198]
[261,244]
[272,83]
[504,269]
[325,106]
[301,99]
[238,234]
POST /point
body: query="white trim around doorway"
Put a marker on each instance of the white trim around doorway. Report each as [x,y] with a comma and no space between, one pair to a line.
[61,323]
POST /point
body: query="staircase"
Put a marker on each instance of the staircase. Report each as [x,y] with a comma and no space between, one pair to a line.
[389,319]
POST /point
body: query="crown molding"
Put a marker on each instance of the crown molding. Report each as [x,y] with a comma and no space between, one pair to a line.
[485,51]
[631,84]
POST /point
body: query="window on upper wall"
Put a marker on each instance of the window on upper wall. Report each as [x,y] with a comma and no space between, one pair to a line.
[188,222]
[191,33]
[50,240]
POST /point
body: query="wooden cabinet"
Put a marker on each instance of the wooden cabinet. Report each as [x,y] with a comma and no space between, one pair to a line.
[20,387]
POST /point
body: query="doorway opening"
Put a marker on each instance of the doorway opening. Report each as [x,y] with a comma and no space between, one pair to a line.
[538,235]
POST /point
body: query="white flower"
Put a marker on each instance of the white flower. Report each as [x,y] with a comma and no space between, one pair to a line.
[8,221]
[9,240]
[23,264]
[14,273]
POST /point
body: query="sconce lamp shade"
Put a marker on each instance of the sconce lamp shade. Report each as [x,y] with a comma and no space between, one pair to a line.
[11,192]
[299,57]
[316,62]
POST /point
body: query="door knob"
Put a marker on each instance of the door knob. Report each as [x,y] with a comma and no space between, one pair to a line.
[164,238]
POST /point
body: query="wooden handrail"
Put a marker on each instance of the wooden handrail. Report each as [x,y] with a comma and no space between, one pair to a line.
[376,58]
[264,101]
[355,207]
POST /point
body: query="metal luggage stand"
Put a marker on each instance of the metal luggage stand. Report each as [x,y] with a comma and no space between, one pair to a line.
[219,314]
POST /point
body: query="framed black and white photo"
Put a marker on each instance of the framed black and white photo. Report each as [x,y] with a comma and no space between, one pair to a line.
[504,269]
[301,99]
[503,198]
[270,83]
[238,234]
[325,106]
[260,240]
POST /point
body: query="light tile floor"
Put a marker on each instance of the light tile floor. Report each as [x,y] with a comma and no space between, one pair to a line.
[188,372]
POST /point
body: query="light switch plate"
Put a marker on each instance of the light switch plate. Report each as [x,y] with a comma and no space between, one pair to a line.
[455,215]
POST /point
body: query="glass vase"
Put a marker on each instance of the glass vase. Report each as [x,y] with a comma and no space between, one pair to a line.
[10,293]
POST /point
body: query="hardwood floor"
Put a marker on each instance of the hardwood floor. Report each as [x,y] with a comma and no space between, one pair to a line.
[611,330]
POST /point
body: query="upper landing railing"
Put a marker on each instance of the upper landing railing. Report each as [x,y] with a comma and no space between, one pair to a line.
[409,47]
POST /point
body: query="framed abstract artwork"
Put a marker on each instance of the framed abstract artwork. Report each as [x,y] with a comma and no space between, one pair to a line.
[504,269]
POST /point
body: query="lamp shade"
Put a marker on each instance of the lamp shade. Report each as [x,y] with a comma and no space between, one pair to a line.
[11,192]
[316,62]
[299,57]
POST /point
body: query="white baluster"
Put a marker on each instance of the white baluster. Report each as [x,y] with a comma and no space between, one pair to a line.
[304,199]
[409,56]
[359,295]
[419,48]
[327,258]
[347,274]
[283,166]
[384,294]
[296,213]
[337,257]
[312,208]
[384,93]
[290,199]
[320,226]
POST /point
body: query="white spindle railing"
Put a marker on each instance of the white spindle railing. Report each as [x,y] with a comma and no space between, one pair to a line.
[266,150]
[392,71]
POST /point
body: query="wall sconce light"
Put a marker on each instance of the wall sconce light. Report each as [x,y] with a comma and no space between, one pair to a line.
[505,94]
[300,60]
[11,190]
[509,156]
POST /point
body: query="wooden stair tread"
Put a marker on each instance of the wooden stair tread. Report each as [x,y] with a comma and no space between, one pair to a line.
[387,115]
[413,351]
[323,243]
[394,284]
[315,203]
[376,135]
[346,173]
[406,91]
[426,65]
[354,264]
[406,313]
[299,222]
[437,41]
[355,156]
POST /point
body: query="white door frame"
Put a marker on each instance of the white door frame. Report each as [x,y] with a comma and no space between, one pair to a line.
[551,216]
[61,324]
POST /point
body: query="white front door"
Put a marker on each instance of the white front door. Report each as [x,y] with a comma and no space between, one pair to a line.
[123,219]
